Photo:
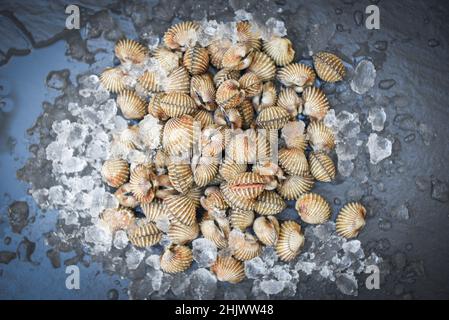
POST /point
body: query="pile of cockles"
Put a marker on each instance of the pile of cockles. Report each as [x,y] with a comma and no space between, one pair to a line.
[242,134]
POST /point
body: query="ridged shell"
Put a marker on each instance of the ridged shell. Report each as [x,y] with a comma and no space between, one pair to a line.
[242,148]
[149,81]
[244,246]
[131,105]
[216,50]
[246,110]
[272,118]
[154,210]
[176,258]
[116,219]
[293,161]
[205,171]
[298,76]
[290,101]
[212,141]
[329,67]
[229,94]
[294,186]
[350,220]
[181,234]
[246,35]
[269,203]
[202,90]
[154,107]
[131,51]
[241,219]
[178,135]
[177,104]
[247,185]
[141,183]
[225,74]
[313,208]
[280,50]
[196,60]
[182,35]
[205,118]
[194,195]
[129,137]
[235,201]
[112,79]
[237,57]
[263,66]
[181,209]
[316,105]
[230,169]
[125,197]
[320,136]
[213,200]
[267,230]
[214,232]
[267,98]
[228,269]
[168,59]
[291,240]
[144,235]
[294,136]
[251,83]
[115,172]
[178,81]
[322,167]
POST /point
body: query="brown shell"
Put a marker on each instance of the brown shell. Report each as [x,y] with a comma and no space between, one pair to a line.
[213,200]
[293,161]
[241,219]
[329,67]
[168,59]
[225,74]
[350,220]
[178,135]
[181,234]
[115,172]
[247,185]
[267,98]
[320,136]
[194,194]
[177,104]
[229,94]
[263,66]
[202,90]
[267,230]
[182,35]
[112,79]
[215,232]
[294,186]
[272,118]
[154,107]
[205,171]
[322,167]
[204,117]
[269,203]
[116,219]
[230,169]
[149,81]
[235,201]
[130,51]
[294,136]
[298,76]
[181,209]
[280,50]
[246,111]
[154,210]
[251,83]
[125,197]
[129,137]
[212,141]
[290,101]
[242,148]
[142,183]
[196,60]
[131,105]
[237,57]
[217,50]
[228,269]
[246,36]
[313,208]
[144,235]
[316,105]
[176,258]
[178,81]
[290,242]
[244,246]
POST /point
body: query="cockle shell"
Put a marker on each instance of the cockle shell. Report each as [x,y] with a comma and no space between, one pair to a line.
[178,81]
[321,166]
[230,169]
[212,141]
[267,230]
[244,246]
[350,220]
[194,194]
[168,59]
[154,210]
[181,208]
[294,136]
[196,60]
[150,82]
[280,50]
[247,185]
[129,137]
[182,35]
[298,76]
[154,107]
[225,74]
[242,148]
[125,196]
[237,57]
[144,235]
[115,172]
[215,232]
[181,234]
[176,258]
[228,269]
[229,94]
[263,66]
[205,171]
[294,186]
[290,242]
[112,79]
[320,136]
[272,118]
[236,201]
[217,50]
[178,135]
[241,219]
[313,208]
[293,161]
[142,183]
[267,98]
[118,218]
[202,90]
[251,83]
[177,104]
[204,117]
[269,203]
[131,105]
[245,35]
[213,200]
[316,105]
[246,111]
[329,67]
[130,51]
[290,101]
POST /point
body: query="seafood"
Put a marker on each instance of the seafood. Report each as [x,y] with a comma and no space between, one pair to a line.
[115,172]
[181,234]
[267,230]
[251,83]
[329,67]
[196,60]
[298,76]
[228,269]
[272,118]
[350,220]
[130,51]
[313,208]
[144,234]
[294,186]
[244,246]
[321,137]
[182,36]
[269,203]
[262,66]
[177,104]
[176,258]
[112,79]
[241,219]
[142,183]
[280,50]
[315,103]
[322,167]
[131,105]
[290,242]
[229,94]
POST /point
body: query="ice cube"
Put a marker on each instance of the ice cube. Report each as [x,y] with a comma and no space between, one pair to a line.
[364,77]
[204,252]
[379,148]
[134,258]
[272,287]
[377,117]
[347,284]
[203,284]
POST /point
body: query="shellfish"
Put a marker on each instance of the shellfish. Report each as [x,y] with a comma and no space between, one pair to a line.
[235,201]
[237,57]
[112,79]
[245,35]
[202,90]
[215,232]
[216,50]
[263,66]
[229,94]
[150,82]
[230,169]
[267,230]
[293,161]
[316,105]
[154,210]
[241,219]
[131,105]
[177,104]
[177,81]
[267,98]
[269,203]
[246,111]
[247,185]
[125,197]
[228,269]
[181,234]
[178,135]
[182,35]
[144,235]
[154,107]
[205,171]
[329,67]
[244,246]
[251,83]
[225,74]
[294,186]
[196,60]
[322,167]
[142,183]
[130,51]
[320,136]
[290,242]
[290,101]
[313,208]
[181,208]
[176,258]
[350,220]
[280,50]
[116,219]
[115,172]
[298,76]
[168,59]
[272,118]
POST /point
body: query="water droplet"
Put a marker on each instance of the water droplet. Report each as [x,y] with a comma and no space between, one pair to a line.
[387,84]
[433,43]
[410,138]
